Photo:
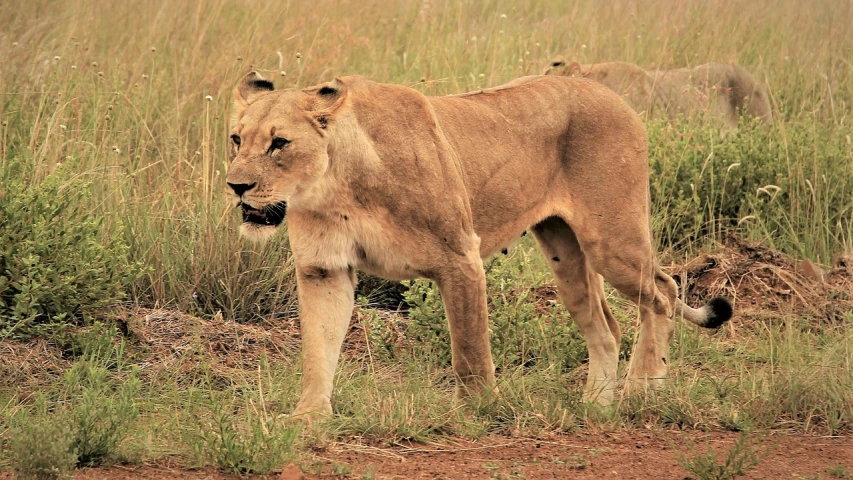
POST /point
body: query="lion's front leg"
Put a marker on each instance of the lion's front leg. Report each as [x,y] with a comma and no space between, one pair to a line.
[463,290]
[325,308]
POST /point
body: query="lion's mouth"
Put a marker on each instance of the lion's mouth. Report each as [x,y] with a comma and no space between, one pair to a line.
[271,215]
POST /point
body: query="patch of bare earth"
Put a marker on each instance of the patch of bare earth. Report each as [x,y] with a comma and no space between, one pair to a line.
[633,454]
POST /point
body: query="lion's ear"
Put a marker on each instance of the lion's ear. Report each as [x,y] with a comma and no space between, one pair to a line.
[556,62]
[574,68]
[249,87]
[328,100]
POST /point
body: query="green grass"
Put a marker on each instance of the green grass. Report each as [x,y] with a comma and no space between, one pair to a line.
[112,128]
[745,455]
[131,113]
[838,471]
[231,419]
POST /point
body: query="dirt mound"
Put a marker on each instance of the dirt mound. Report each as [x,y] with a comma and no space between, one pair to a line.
[167,343]
[29,365]
[174,342]
[170,341]
[762,283]
[766,283]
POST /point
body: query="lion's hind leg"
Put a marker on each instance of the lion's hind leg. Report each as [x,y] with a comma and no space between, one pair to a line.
[624,256]
[582,292]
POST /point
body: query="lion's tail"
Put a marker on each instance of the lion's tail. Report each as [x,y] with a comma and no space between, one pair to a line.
[717,312]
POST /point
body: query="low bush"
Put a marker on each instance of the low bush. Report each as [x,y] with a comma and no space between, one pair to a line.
[41,445]
[789,185]
[58,265]
[520,335]
[255,444]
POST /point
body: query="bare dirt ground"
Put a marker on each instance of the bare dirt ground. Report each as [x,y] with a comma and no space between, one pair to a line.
[631,454]
[634,454]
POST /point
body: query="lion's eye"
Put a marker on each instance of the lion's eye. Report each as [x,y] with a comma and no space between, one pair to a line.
[277,144]
[236,139]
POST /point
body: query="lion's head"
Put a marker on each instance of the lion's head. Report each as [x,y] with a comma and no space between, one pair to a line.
[279,149]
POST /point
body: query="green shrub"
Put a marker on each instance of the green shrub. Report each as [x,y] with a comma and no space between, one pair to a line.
[101,345]
[838,471]
[56,264]
[520,335]
[789,184]
[256,445]
[427,328]
[745,455]
[41,445]
[86,419]
[101,412]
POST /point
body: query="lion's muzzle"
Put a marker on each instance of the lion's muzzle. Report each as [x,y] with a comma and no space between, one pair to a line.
[271,215]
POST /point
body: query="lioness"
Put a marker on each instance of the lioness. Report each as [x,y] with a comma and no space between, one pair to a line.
[381,178]
[724,92]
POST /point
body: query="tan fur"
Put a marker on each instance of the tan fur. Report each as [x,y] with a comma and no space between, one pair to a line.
[381,178]
[722,92]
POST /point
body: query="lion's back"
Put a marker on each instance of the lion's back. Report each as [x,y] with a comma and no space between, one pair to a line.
[537,103]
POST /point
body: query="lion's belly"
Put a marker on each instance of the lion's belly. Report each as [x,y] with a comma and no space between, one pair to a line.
[501,232]
[383,260]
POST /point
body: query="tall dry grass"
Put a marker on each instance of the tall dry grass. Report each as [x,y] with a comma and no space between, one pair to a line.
[136,95]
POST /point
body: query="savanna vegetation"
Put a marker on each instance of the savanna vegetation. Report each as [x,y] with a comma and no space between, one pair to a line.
[118,251]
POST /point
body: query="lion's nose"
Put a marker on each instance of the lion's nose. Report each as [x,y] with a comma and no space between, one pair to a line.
[241,188]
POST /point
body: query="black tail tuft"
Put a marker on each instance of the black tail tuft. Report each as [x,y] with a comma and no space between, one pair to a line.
[721,312]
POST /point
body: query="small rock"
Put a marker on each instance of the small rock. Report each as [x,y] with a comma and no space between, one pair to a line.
[811,271]
[291,472]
